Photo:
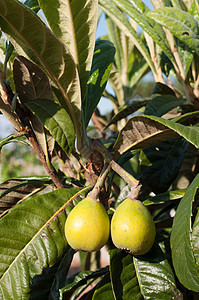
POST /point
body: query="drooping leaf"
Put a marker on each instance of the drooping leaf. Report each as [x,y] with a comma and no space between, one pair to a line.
[34,233]
[144,131]
[101,67]
[160,164]
[160,105]
[32,83]
[18,189]
[181,246]
[180,23]
[74,23]
[155,276]
[56,120]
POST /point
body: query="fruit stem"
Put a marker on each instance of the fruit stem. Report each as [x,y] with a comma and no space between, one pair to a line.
[110,163]
[135,191]
[100,181]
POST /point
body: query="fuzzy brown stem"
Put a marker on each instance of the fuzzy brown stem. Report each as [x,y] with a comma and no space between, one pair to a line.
[53,174]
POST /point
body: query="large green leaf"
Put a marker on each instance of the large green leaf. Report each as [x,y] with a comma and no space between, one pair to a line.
[182,24]
[160,164]
[155,276]
[33,39]
[56,120]
[143,277]
[123,275]
[33,231]
[181,245]
[101,67]
[144,131]
[74,23]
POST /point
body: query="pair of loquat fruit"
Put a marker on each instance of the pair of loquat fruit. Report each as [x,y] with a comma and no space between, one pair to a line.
[88,227]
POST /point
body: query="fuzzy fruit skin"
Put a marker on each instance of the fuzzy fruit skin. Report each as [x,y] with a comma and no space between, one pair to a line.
[132,227]
[87,226]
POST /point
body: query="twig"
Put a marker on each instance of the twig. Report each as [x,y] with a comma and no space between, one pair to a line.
[117,168]
[12,117]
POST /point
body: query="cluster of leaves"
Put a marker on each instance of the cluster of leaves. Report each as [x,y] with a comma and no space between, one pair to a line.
[51,81]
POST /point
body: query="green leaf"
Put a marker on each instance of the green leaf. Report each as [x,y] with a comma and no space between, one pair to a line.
[144,131]
[181,246]
[180,23]
[74,23]
[33,231]
[123,275]
[18,189]
[160,164]
[155,276]
[101,67]
[34,40]
[122,22]
[56,120]
[160,105]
